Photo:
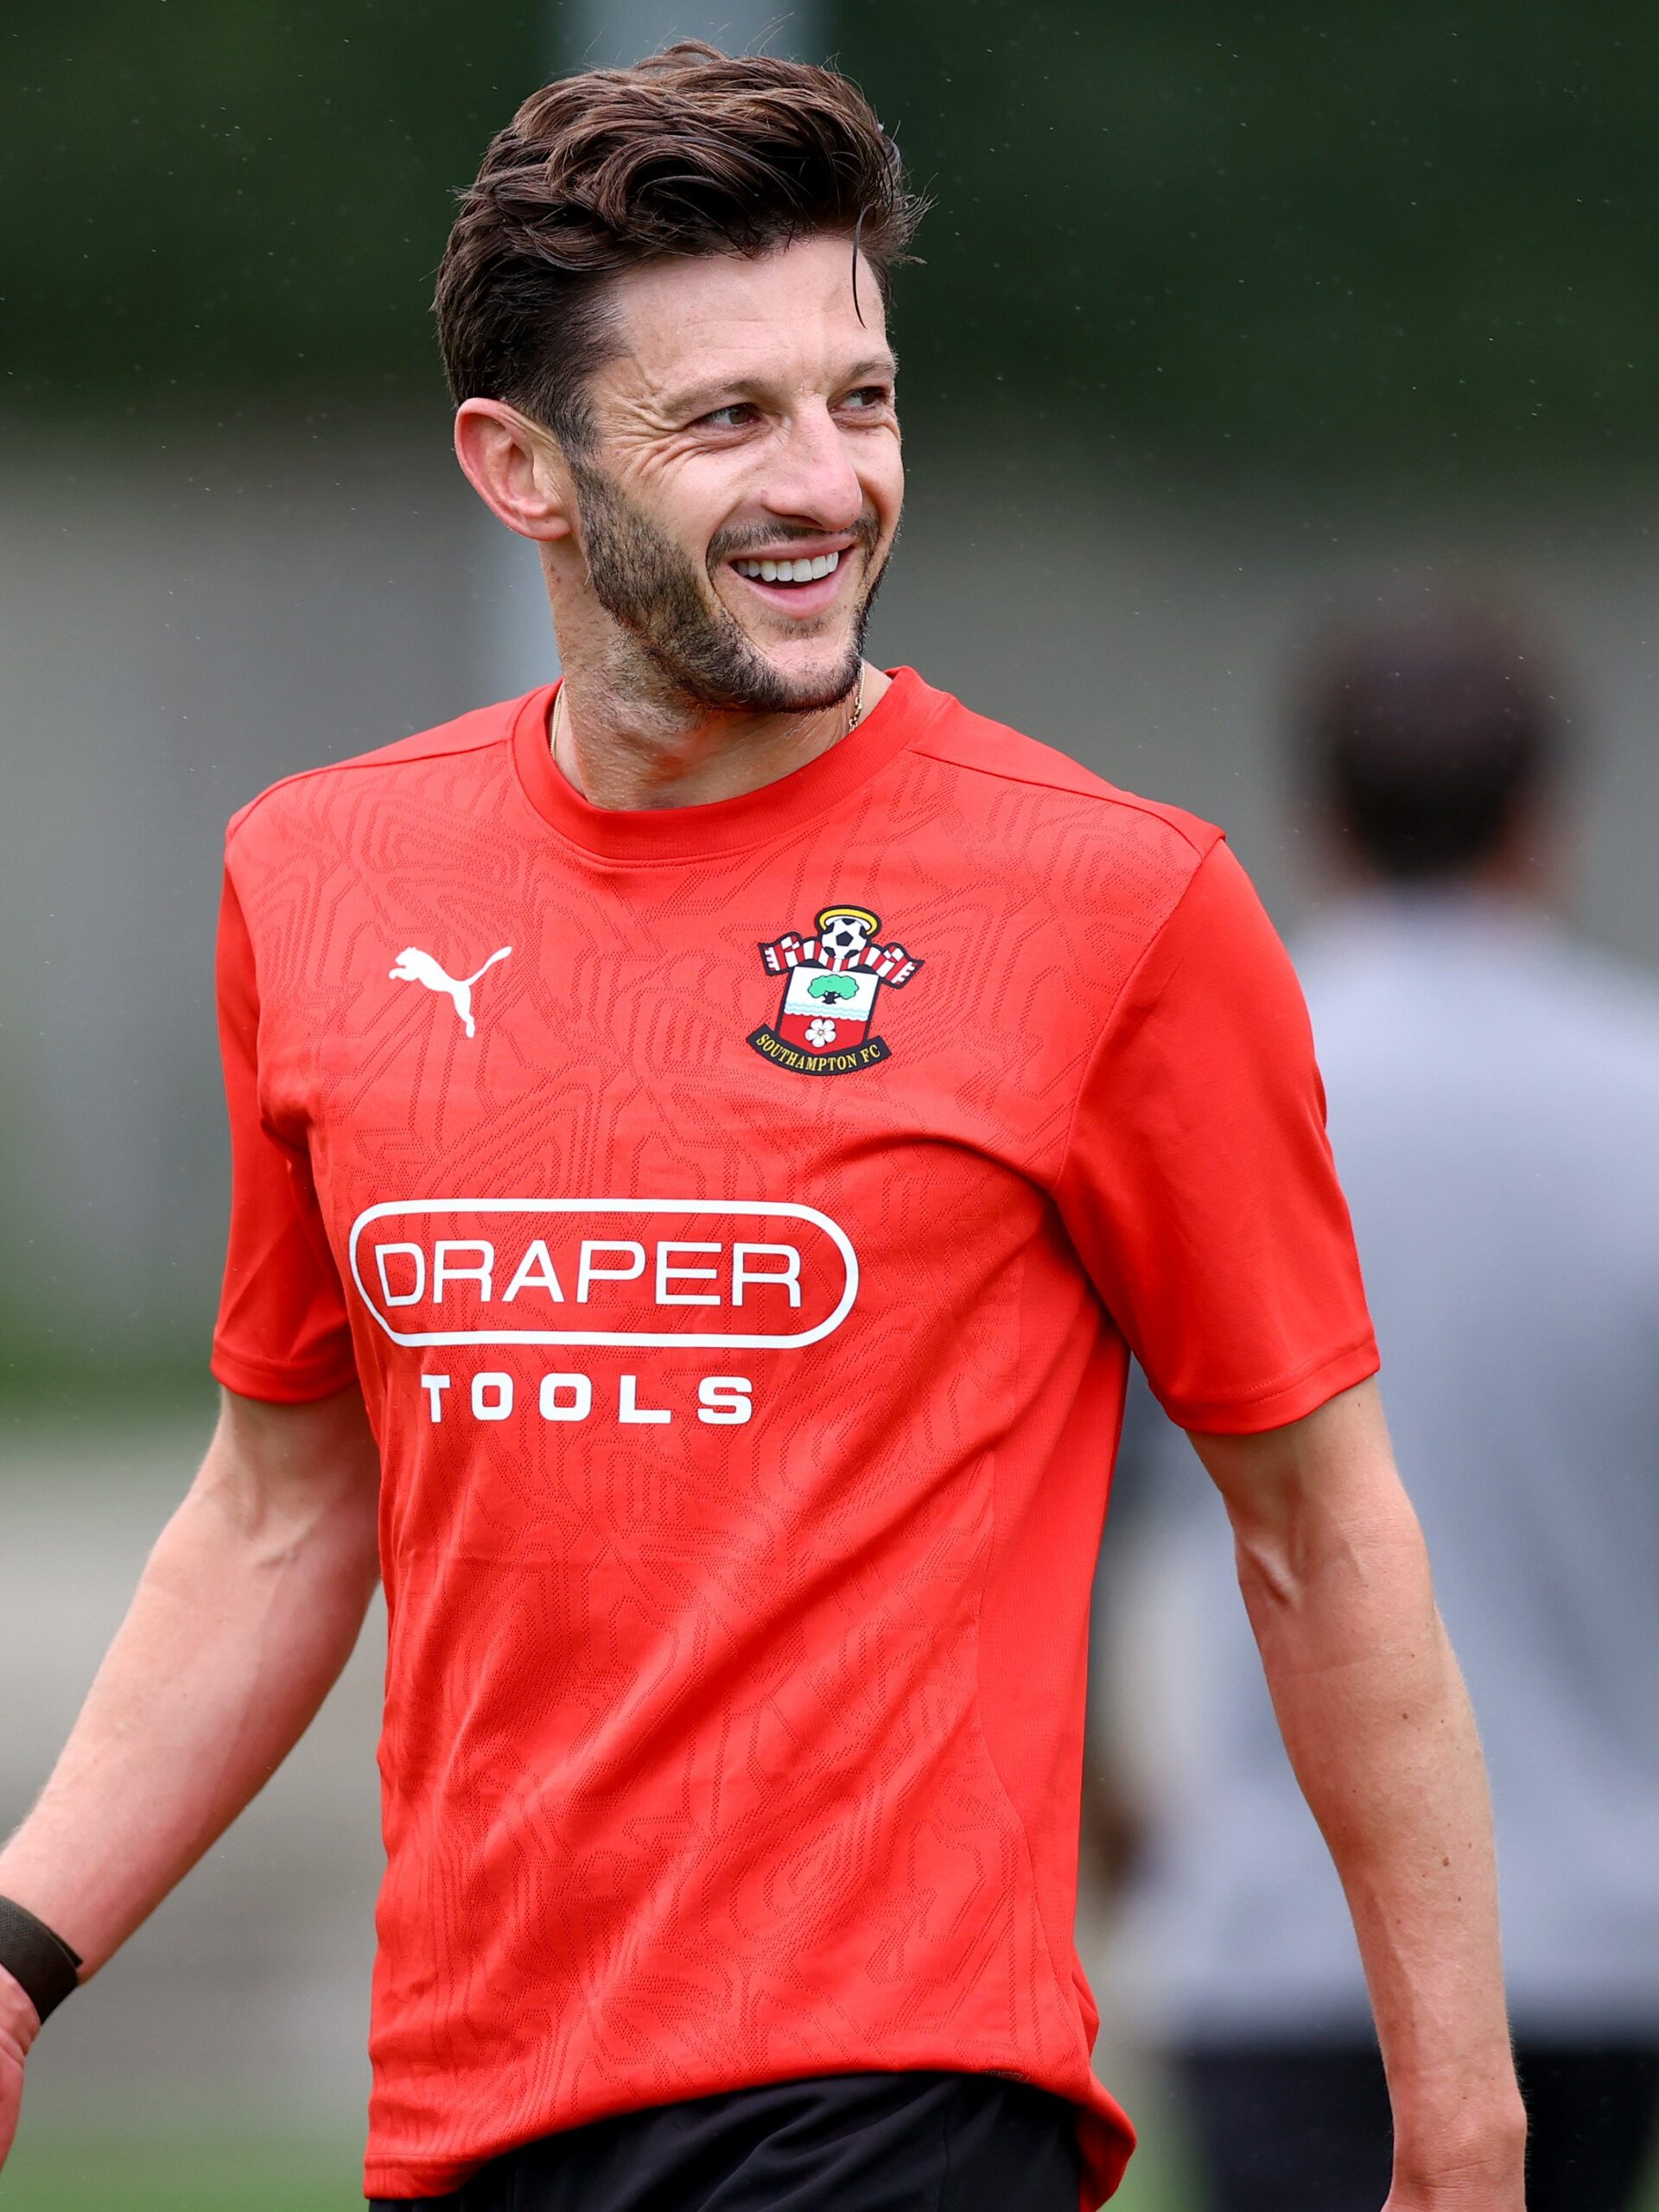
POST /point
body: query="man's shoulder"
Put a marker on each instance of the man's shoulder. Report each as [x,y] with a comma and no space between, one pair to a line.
[304,801]
[1062,797]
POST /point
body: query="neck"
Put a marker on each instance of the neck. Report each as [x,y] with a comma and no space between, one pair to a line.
[620,752]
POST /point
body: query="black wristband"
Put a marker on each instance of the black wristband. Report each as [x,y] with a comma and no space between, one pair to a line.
[43,1964]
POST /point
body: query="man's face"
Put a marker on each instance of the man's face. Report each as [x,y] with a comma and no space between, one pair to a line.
[749,419]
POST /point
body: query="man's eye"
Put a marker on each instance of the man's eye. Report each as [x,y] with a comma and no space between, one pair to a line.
[734,418]
[867,396]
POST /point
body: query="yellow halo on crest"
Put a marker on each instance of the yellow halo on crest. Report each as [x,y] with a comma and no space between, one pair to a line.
[849,913]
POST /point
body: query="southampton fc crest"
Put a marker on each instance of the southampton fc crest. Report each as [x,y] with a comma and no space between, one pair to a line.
[832,981]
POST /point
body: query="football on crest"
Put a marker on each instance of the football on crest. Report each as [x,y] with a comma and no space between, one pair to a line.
[845,930]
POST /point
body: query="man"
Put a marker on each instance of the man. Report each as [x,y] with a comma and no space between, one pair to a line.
[1494,1092]
[724,1119]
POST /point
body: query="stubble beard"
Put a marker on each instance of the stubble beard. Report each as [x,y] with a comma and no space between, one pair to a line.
[687,652]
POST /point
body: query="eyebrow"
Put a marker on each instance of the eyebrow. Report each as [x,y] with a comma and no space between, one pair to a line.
[726,391]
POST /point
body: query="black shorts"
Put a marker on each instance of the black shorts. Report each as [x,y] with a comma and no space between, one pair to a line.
[1304,2127]
[838,2143]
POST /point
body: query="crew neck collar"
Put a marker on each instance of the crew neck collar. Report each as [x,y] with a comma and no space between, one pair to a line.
[722,825]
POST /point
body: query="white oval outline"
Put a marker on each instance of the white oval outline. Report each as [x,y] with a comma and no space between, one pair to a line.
[768,1208]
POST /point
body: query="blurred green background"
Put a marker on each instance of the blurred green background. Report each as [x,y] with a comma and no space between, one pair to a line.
[1227,318]
[1377,238]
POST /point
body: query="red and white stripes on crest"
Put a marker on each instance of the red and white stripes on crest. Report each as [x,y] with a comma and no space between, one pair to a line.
[891,964]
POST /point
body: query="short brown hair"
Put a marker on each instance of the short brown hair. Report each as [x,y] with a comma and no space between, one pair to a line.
[691,152]
[1425,740]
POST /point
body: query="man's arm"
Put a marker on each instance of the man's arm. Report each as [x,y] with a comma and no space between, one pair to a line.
[245,1613]
[1378,1727]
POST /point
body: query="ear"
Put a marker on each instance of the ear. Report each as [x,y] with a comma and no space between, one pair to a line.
[516,469]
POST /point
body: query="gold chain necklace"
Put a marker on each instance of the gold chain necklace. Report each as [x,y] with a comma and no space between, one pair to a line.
[858,704]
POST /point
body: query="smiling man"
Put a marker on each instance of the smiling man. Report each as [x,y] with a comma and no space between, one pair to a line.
[707,1136]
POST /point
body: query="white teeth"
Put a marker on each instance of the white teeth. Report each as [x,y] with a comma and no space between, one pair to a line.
[790,572]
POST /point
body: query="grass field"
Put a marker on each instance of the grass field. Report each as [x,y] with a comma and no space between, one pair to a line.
[98,2172]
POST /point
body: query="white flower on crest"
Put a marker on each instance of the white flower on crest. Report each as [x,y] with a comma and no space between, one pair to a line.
[820,1032]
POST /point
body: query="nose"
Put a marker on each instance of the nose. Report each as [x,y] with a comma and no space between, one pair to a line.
[812,479]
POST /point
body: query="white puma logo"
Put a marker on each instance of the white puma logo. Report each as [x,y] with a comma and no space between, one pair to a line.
[415,966]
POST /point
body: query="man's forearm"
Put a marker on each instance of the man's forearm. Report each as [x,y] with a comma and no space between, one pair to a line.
[1379,1730]
[245,1613]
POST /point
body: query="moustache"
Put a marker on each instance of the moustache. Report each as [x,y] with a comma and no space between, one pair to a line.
[737,544]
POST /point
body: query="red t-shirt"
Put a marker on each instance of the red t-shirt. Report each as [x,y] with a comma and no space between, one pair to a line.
[739,1218]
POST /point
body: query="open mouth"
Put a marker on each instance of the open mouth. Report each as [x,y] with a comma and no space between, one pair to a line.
[800,585]
[808,571]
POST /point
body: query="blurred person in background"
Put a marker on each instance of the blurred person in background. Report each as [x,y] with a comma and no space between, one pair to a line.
[732,1754]
[1494,1105]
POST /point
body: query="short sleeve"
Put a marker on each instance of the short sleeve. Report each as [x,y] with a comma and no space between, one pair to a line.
[1198,1186]
[283,1334]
